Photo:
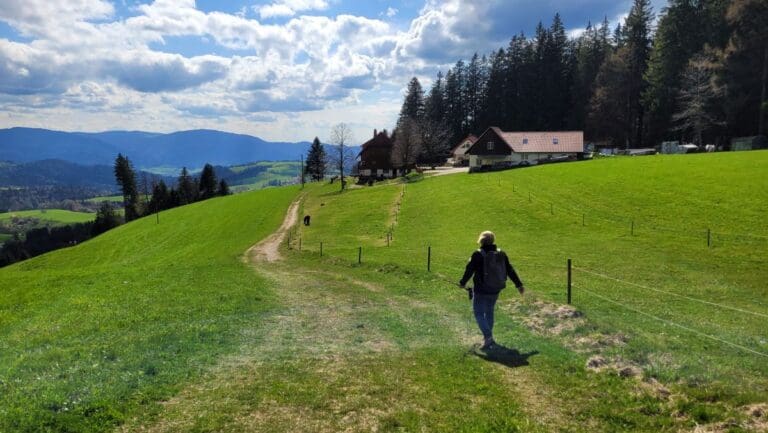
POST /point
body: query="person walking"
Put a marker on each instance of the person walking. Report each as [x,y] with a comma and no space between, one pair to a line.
[489,269]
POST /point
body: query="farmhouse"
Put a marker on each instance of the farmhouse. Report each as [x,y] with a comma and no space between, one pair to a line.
[375,158]
[496,148]
[459,152]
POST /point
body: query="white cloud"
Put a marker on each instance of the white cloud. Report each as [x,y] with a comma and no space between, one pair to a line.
[390,12]
[289,8]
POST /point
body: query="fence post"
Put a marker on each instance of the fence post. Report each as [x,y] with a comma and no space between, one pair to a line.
[709,237]
[321,249]
[359,255]
[569,281]
[429,258]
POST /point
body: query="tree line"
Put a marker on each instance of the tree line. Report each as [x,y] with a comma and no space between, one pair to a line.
[701,76]
[188,189]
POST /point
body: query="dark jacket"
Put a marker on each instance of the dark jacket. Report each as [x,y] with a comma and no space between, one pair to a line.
[475,266]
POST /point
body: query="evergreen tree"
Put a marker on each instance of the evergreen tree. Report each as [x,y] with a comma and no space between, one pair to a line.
[434,103]
[316,159]
[413,105]
[208,184]
[187,188]
[608,118]
[473,92]
[685,27]
[106,218]
[126,180]
[638,44]
[745,67]
[223,188]
[455,105]
[494,110]
[161,198]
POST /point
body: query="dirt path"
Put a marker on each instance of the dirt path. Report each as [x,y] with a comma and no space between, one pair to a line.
[268,250]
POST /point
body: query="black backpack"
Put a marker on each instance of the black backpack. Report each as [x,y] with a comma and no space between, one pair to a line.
[494,270]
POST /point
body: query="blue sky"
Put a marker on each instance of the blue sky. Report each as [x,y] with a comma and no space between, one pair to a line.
[278,69]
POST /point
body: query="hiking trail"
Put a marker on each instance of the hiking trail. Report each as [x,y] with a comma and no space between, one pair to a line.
[268,250]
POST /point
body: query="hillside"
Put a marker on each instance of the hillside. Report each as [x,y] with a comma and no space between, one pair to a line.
[184,148]
[666,333]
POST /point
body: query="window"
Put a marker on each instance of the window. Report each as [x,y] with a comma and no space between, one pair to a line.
[490,145]
[554,140]
[525,141]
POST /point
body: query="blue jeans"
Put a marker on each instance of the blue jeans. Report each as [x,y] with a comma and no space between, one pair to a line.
[483,305]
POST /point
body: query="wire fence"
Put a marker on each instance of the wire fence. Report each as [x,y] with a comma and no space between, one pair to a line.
[430,256]
[586,215]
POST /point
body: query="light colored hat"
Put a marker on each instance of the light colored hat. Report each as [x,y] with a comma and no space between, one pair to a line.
[486,238]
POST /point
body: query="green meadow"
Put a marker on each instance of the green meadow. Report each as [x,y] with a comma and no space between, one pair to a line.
[165,327]
[54,216]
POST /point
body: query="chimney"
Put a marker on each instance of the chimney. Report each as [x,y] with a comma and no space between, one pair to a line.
[374,132]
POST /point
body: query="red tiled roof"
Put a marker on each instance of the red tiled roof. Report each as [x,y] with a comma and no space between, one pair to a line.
[543,142]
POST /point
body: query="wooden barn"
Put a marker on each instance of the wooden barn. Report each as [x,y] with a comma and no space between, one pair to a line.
[497,149]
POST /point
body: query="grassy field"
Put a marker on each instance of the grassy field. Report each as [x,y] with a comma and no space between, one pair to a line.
[97,333]
[184,337]
[282,171]
[54,216]
[111,198]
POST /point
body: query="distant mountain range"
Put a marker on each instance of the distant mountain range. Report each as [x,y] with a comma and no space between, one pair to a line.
[144,149]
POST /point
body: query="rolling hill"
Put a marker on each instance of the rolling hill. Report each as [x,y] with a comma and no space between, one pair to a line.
[184,148]
[162,327]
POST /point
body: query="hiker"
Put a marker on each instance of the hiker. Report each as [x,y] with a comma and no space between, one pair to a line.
[490,267]
[306,220]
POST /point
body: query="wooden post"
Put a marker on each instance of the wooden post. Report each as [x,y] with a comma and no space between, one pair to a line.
[359,255]
[569,281]
[429,258]
[321,249]
[709,237]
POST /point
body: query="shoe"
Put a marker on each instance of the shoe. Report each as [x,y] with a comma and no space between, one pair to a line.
[489,344]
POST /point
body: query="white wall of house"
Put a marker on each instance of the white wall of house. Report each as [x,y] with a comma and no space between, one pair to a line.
[514,158]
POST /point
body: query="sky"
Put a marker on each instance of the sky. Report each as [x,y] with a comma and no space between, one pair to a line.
[283,70]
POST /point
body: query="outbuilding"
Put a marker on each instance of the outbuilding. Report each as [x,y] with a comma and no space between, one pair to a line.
[459,155]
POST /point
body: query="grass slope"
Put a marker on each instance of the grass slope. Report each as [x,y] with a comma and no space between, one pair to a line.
[55,216]
[326,344]
[93,334]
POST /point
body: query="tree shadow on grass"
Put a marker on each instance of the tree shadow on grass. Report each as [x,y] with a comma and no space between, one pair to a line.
[505,356]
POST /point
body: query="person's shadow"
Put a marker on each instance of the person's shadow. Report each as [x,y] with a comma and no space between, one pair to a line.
[503,355]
